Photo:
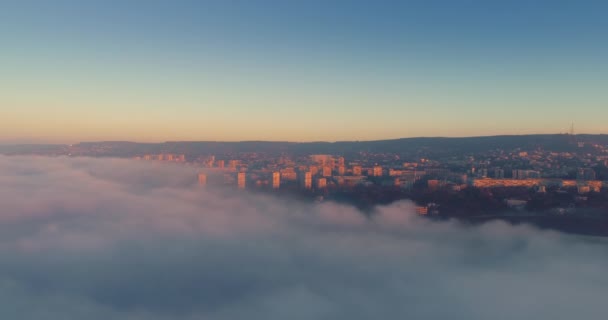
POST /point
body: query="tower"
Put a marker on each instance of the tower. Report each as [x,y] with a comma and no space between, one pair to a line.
[572,128]
[314,170]
[571,136]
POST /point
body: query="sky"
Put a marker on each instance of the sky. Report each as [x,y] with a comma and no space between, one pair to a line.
[299,70]
[125,240]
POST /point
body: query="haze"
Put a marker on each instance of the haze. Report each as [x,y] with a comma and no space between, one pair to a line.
[121,239]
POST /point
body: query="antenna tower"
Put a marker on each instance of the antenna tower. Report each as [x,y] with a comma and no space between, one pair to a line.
[572,129]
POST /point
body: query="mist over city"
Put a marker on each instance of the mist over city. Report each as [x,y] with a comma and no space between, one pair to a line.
[117,239]
[313,160]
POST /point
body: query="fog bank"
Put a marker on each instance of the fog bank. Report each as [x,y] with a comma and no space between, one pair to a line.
[85,238]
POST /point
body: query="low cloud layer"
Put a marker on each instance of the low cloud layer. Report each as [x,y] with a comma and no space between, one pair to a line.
[120,239]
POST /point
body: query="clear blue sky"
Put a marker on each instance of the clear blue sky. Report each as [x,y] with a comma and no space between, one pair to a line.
[299,70]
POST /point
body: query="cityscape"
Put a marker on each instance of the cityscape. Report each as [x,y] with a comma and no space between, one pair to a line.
[551,177]
[303,160]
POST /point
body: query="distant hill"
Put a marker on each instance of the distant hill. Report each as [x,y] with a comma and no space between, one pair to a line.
[438,145]
[33,149]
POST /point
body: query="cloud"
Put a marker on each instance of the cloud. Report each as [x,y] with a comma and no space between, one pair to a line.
[119,239]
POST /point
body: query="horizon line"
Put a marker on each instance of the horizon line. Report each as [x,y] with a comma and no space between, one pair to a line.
[304,142]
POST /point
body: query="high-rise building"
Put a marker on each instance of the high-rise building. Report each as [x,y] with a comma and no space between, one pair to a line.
[306,180]
[377,171]
[341,170]
[482,173]
[209,161]
[517,174]
[241,180]
[220,164]
[169,157]
[357,170]
[341,161]
[499,173]
[233,164]
[202,179]
[321,183]
[327,171]
[276,180]
[314,170]
[585,174]
[182,158]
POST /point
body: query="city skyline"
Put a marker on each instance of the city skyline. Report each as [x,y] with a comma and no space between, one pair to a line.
[312,159]
[314,71]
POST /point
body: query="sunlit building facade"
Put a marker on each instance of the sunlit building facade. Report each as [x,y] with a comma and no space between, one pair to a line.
[241,180]
[220,164]
[321,183]
[276,180]
[202,179]
[377,171]
[306,180]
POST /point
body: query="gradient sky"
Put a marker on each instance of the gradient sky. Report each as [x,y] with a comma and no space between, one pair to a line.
[299,70]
